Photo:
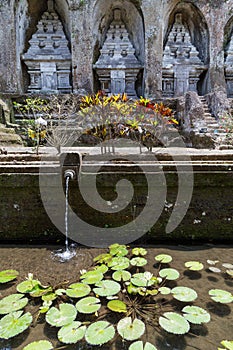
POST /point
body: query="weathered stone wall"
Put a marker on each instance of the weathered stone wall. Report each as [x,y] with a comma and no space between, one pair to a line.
[86,22]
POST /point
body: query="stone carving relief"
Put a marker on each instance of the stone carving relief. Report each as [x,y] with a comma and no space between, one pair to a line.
[48,58]
[117,66]
[181,65]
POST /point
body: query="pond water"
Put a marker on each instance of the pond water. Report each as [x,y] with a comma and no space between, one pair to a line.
[40,262]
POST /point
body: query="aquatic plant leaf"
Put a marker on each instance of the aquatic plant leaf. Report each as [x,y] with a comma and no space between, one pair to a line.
[14,324]
[221,296]
[101,268]
[164,290]
[49,297]
[228,344]
[139,251]
[8,275]
[138,261]
[141,280]
[169,274]
[78,290]
[60,291]
[130,330]
[117,306]
[118,249]
[214,269]
[121,275]
[27,286]
[103,258]
[163,258]
[194,265]
[92,277]
[212,262]
[99,333]
[45,306]
[228,266]
[174,323]
[88,305]
[13,302]
[107,288]
[119,263]
[184,294]
[62,316]
[39,291]
[138,345]
[230,272]
[131,289]
[196,315]
[71,333]
[39,345]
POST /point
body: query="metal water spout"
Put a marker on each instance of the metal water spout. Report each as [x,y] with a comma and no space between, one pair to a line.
[70,165]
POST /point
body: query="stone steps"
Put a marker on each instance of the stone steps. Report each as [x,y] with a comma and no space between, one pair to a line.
[8,137]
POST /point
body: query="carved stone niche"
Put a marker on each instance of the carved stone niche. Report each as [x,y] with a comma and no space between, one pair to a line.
[48,58]
[118,67]
[229,69]
[181,65]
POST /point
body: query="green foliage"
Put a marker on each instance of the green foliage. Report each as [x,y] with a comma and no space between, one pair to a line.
[169,274]
[14,323]
[196,315]
[39,345]
[13,302]
[194,265]
[78,290]
[221,296]
[163,258]
[88,305]
[8,275]
[184,294]
[62,316]
[117,306]
[99,333]
[130,329]
[174,323]
[228,345]
[138,345]
[72,333]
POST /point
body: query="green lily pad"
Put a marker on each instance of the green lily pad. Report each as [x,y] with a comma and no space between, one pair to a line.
[118,249]
[71,333]
[107,288]
[174,323]
[39,345]
[78,290]
[49,297]
[88,305]
[131,289]
[230,272]
[14,324]
[169,274]
[139,251]
[138,261]
[196,315]
[138,345]
[121,275]
[194,265]
[8,275]
[141,280]
[99,333]
[13,302]
[103,258]
[184,294]
[101,268]
[45,306]
[27,286]
[130,330]
[163,258]
[221,296]
[39,291]
[62,316]
[92,277]
[119,263]
[226,265]
[117,306]
[164,290]
[228,344]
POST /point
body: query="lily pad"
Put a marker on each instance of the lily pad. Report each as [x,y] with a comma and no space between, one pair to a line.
[138,345]
[121,275]
[103,258]
[230,273]
[49,297]
[40,291]
[92,277]
[141,280]
[196,315]
[14,324]
[99,333]
[27,286]
[117,306]
[194,265]
[71,333]
[62,316]
[107,288]
[78,290]
[118,249]
[228,266]
[138,261]
[212,262]
[39,345]
[228,344]
[169,274]
[184,294]
[174,323]
[13,302]
[164,290]
[139,251]
[119,263]
[130,329]
[221,296]
[101,268]
[163,258]
[88,305]
[214,269]
[8,275]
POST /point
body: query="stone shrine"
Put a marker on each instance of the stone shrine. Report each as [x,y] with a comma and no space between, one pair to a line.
[48,58]
[117,66]
[181,65]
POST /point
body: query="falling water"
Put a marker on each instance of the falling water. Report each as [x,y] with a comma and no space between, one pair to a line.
[69,252]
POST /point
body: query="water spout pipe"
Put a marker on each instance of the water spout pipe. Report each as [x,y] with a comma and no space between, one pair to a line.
[69,174]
